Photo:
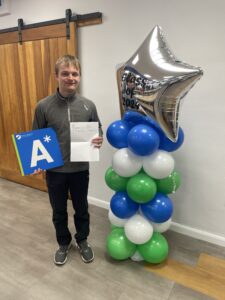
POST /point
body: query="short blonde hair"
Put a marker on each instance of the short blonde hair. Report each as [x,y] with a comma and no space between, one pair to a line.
[67,60]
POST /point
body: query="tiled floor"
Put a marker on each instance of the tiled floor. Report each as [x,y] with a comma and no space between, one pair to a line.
[28,243]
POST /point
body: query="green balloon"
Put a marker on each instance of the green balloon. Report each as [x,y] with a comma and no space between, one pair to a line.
[115,181]
[141,188]
[155,250]
[118,245]
[169,184]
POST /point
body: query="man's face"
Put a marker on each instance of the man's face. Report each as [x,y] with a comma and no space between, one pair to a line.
[68,79]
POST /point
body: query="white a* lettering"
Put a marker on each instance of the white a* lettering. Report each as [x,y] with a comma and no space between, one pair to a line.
[38,146]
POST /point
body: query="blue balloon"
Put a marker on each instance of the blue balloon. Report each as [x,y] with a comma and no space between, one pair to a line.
[159,209]
[136,118]
[152,123]
[167,145]
[122,206]
[133,117]
[143,140]
[117,133]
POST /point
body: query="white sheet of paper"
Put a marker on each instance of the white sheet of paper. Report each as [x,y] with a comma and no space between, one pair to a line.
[81,134]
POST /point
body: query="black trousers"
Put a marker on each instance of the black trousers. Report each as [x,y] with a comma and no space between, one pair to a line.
[59,186]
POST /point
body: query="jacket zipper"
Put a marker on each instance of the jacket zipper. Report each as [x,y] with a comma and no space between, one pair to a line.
[68,110]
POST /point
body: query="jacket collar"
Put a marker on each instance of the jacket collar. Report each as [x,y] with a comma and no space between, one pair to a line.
[60,97]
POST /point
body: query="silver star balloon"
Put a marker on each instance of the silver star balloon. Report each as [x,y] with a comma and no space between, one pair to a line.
[153,81]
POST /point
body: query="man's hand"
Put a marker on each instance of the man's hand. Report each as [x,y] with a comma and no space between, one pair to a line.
[37,172]
[97,141]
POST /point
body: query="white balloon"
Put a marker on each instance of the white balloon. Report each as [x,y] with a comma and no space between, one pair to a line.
[125,163]
[136,256]
[114,220]
[158,165]
[162,227]
[138,229]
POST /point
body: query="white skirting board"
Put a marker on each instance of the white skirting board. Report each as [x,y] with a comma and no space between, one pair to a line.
[186,230]
[198,234]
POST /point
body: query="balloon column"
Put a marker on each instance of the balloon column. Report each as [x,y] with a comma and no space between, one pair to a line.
[143,172]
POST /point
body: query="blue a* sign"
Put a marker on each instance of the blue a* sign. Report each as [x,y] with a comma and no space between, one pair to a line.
[37,149]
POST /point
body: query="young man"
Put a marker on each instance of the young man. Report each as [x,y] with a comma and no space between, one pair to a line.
[57,111]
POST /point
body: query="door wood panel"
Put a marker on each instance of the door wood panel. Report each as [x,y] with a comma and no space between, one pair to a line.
[27,76]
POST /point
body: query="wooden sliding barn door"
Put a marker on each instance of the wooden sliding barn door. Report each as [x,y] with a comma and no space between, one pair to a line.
[27,76]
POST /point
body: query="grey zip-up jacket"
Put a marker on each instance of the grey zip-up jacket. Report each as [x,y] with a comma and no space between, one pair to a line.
[57,112]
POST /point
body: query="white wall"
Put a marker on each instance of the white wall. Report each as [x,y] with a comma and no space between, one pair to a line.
[195,31]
